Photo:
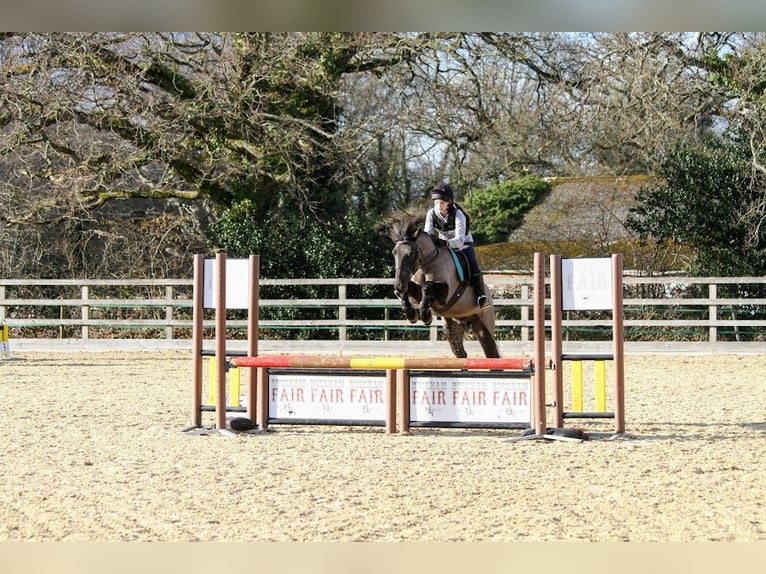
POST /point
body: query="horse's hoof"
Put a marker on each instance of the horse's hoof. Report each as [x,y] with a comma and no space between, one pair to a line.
[412,317]
[427,317]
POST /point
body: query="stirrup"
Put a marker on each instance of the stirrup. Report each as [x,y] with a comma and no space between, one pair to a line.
[482,301]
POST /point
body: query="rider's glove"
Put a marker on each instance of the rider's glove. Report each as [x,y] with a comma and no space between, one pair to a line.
[438,241]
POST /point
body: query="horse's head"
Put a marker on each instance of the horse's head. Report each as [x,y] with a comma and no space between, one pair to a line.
[403,232]
[406,262]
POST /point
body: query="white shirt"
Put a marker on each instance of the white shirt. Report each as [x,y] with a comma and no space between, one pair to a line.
[456,238]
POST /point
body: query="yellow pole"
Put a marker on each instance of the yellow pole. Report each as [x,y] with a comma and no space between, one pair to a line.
[211,384]
[600,368]
[577,387]
[5,346]
[234,384]
[234,379]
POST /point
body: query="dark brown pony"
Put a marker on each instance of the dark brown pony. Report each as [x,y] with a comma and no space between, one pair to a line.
[427,283]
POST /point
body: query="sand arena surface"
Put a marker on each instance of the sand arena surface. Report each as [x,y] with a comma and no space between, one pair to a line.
[94,451]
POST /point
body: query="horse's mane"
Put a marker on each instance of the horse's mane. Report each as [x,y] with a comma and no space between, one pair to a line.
[405,226]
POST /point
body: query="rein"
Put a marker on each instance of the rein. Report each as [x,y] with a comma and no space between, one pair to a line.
[424,261]
[431,258]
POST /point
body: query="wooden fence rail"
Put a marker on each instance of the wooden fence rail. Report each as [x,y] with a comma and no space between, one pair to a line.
[677,307]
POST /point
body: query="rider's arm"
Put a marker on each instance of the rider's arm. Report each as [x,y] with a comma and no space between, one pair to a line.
[428,227]
[456,242]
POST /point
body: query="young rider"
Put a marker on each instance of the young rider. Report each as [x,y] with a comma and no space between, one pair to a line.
[450,223]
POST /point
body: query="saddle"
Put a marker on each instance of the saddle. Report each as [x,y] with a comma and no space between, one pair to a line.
[464,275]
[461,265]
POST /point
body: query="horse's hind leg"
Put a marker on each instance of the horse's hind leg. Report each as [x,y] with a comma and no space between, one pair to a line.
[454,331]
[489,345]
[486,338]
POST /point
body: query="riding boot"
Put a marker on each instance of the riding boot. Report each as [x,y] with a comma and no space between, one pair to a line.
[477,282]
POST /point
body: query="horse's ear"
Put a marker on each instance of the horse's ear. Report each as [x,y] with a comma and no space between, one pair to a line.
[400,225]
[414,223]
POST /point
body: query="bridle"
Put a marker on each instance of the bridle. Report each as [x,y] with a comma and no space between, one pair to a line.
[419,260]
[416,256]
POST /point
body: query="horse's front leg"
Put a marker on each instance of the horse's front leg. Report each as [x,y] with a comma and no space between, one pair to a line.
[409,310]
[413,293]
[425,303]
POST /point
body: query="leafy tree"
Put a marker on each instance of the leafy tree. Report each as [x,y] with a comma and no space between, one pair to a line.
[304,247]
[740,75]
[707,190]
[117,149]
[498,209]
[100,130]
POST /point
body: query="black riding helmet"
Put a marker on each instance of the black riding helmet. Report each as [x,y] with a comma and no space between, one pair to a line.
[442,191]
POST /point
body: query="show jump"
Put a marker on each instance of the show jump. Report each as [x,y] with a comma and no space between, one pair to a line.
[399,393]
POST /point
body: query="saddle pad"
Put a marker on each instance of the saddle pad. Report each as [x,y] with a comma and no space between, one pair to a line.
[458,266]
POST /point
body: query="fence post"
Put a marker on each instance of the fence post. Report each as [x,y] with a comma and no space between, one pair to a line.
[169,311]
[713,312]
[342,331]
[85,313]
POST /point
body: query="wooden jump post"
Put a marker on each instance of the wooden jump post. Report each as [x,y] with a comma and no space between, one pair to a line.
[600,291]
[220,300]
